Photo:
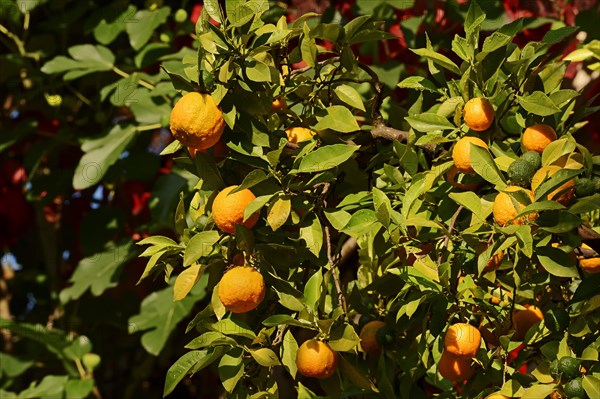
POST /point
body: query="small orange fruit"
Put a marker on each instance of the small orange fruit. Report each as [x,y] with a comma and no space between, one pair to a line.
[496,396]
[298,134]
[504,209]
[462,340]
[316,359]
[461,153]
[454,368]
[196,121]
[279,104]
[478,114]
[228,210]
[563,194]
[590,265]
[460,180]
[368,338]
[537,137]
[494,262]
[524,319]
[242,289]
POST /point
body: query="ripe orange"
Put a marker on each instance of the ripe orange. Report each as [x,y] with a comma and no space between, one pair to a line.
[462,340]
[298,134]
[228,210]
[316,359]
[368,339]
[500,295]
[458,180]
[497,396]
[196,121]
[454,368]
[590,265]
[279,104]
[241,289]
[504,209]
[563,194]
[494,262]
[524,319]
[478,114]
[461,153]
[537,137]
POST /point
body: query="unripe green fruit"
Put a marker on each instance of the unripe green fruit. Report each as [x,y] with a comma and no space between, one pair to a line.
[574,389]
[569,367]
[91,361]
[520,172]
[534,158]
[584,187]
[166,37]
[181,16]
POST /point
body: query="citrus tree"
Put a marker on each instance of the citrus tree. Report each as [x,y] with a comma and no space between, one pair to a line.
[341,207]
[466,210]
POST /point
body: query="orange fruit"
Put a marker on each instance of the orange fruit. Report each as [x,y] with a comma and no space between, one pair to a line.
[524,319]
[590,265]
[494,262]
[457,179]
[454,368]
[196,121]
[461,153]
[496,396]
[368,339]
[563,194]
[500,295]
[316,359]
[279,104]
[242,289]
[228,210]
[504,209]
[298,134]
[478,114]
[462,340]
[537,137]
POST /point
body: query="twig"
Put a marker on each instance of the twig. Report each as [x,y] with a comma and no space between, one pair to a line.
[450,228]
[279,336]
[334,271]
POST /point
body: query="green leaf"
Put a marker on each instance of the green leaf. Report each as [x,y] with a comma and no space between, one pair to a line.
[538,103]
[407,156]
[256,205]
[557,149]
[288,353]
[591,385]
[383,207]
[110,21]
[557,35]
[538,391]
[185,281]
[279,319]
[313,290]
[555,181]
[159,315]
[350,96]
[556,262]
[232,327]
[199,246]
[100,154]
[231,369]
[418,83]
[339,119]
[587,289]
[586,204]
[265,357]
[143,25]
[11,367]
[438,59]
[79,389]
[210,338]
[253,178]
[161,241]
[52,386]
[428,122]
[98,272]
[343,338]
[474,18]
[86,59]
[308,48]
[213,9]
[361,222]
[558,221]
[180,222]
[326,157]
[279,212]
[313,235]
[188,364]
[484,166]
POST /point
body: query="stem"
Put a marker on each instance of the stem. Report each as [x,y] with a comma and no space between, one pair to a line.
[335,272]
[18,42]
[145,128]
[126,75]
[450,228]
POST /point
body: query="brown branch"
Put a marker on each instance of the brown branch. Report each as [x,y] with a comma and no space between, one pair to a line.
[450,228]
[334,271]
[279,336]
